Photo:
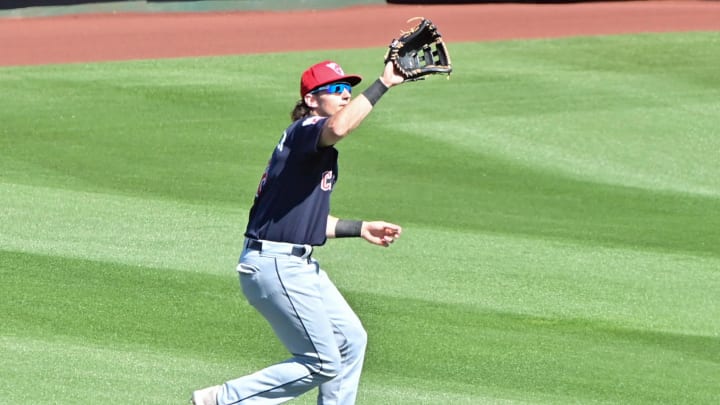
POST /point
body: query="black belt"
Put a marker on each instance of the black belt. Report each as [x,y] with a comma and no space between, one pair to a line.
[298,251]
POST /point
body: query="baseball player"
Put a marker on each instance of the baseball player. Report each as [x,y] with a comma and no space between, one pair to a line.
[289,217]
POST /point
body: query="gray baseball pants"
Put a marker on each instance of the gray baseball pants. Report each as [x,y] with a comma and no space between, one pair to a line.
[314,322]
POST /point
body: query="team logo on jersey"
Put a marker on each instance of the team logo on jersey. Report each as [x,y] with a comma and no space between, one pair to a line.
[327,181]
[334,66]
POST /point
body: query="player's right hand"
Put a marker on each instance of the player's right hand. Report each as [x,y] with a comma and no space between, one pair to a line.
[380,233]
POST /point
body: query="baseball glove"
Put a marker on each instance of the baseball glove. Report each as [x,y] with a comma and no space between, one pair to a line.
[419,52]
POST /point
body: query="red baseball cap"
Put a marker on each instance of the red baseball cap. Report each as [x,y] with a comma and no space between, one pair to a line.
[323,73]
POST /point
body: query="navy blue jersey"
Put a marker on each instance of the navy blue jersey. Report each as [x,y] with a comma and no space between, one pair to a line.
[292,202]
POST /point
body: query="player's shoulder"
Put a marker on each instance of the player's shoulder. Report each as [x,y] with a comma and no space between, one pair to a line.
[307,125]
[304,131]
[304,122]
[311,120]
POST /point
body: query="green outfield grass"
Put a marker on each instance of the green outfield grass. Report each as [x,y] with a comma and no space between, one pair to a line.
[560,202]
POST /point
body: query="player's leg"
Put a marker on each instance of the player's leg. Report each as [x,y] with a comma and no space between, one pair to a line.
[284,290]
[351,339]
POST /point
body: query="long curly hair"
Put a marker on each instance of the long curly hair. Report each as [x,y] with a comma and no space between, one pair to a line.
[301,110]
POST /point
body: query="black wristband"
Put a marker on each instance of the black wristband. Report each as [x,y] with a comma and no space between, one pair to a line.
[347,228]
[375,91]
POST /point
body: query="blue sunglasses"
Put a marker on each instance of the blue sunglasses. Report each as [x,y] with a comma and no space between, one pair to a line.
[334,88]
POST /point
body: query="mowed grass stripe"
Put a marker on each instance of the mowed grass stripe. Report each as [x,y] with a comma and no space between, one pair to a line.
[460,267]
[121,229]
[75,371]
[458,189]
[537,278]
[503,353]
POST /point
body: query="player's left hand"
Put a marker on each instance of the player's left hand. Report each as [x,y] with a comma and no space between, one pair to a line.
[380,233]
